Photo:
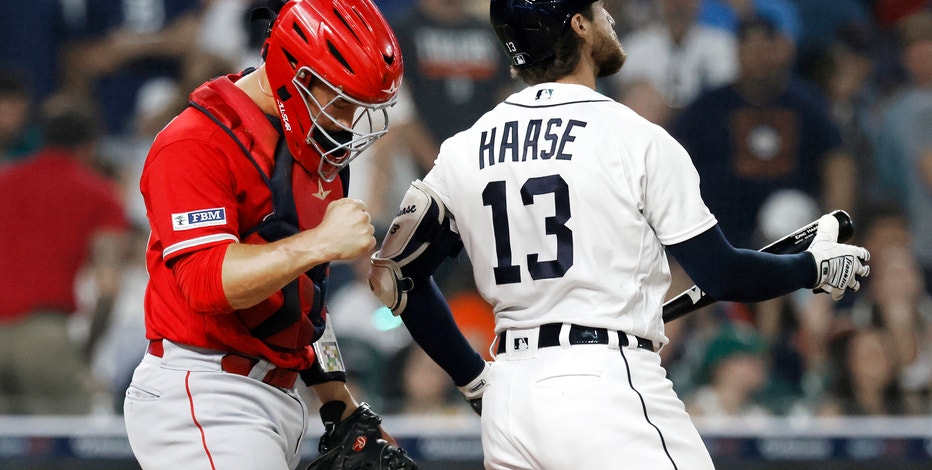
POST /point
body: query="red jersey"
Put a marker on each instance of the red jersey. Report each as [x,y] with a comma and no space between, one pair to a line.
[50,207]
[202,190]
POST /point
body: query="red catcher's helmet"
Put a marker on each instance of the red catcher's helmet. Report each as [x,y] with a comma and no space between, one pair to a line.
[348,46]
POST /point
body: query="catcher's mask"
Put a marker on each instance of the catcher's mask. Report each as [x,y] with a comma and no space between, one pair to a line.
[528,29]
[346,46]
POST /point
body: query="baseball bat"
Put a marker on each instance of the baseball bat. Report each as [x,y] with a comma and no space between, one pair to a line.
[693,298]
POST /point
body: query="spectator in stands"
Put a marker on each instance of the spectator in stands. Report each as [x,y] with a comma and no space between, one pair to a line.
[418,386]
[888,13]
[845,74]
[678,56]
[122,45]
[903,153]
[735,367]
[454,72]
[764,132]
[895,302]
[728,14]
[19,136]
[221,44]
[32,35]
[865,376]
[820,23]
[60,216]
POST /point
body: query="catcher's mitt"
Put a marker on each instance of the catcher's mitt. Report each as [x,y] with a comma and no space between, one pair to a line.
[357,442]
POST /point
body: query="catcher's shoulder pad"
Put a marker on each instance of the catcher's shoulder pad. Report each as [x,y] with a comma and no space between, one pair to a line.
[421,236]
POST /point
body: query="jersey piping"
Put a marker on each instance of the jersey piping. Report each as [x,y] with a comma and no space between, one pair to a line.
[197,241]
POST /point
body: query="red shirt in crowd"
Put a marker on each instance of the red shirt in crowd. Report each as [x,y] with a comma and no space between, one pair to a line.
[51,205]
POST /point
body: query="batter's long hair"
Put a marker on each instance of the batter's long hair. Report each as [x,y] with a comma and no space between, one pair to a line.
[566,54]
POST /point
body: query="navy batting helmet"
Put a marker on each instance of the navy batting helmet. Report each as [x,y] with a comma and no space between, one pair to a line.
[528,29]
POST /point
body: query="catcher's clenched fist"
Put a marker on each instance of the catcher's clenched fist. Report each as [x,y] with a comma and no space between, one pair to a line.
[357,442]
[346,229]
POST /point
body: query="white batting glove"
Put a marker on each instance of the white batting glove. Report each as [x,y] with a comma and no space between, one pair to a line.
[838,265]
[473,390]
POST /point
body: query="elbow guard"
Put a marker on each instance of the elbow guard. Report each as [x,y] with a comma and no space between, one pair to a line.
[421,236]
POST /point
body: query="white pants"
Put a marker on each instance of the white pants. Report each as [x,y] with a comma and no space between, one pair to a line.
[183,411]
[585,407]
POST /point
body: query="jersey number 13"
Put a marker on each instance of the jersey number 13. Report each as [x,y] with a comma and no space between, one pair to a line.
[495,195]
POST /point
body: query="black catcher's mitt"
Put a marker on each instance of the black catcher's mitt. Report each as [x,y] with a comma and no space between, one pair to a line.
[356,443]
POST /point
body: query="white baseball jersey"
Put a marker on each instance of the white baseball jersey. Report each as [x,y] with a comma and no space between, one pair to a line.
[564,199]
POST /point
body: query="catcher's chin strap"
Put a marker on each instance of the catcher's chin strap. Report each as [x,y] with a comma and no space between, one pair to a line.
[356,442]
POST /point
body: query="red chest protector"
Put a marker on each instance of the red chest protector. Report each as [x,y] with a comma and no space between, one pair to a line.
[294,317]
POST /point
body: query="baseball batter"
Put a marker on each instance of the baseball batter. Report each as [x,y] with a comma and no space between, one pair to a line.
[245,196]
[565,202]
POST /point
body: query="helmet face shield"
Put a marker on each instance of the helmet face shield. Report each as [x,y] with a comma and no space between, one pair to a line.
[338,147]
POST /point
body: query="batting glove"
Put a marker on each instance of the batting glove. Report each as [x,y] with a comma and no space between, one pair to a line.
[838,265]
[473,390]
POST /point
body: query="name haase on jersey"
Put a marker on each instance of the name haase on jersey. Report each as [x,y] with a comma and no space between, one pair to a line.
[537,141]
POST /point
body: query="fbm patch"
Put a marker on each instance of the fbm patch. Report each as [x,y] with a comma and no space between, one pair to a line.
[201,218]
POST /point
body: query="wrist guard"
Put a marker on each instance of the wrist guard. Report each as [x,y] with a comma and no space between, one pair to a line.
[356,442]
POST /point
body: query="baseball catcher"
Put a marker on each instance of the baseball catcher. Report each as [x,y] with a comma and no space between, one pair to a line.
[357,442]
[236,308]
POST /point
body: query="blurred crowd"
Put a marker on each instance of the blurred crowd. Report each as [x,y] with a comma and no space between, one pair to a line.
[789,109]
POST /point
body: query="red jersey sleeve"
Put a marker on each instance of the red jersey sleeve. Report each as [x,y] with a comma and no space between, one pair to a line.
[190,198]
